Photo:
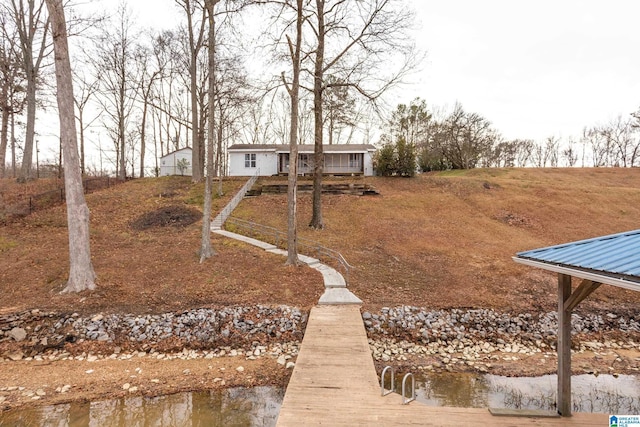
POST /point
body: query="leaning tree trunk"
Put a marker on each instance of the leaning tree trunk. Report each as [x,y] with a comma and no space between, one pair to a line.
[81,273]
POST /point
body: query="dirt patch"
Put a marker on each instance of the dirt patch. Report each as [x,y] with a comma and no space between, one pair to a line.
[514,219]
[104,378]
[168,216]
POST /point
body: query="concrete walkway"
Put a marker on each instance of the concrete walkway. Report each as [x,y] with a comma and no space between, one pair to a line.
[336,291]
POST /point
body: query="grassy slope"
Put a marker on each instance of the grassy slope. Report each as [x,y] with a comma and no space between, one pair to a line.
[155,270]
[446,240]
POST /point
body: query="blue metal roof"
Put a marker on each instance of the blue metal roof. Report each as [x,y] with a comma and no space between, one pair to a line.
[615,255]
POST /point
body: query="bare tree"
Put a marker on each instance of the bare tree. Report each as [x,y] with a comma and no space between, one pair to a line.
[81,273]
[86,90]
[144,86]
[169,107]
[465,138]
[293,89]
[12,99]
[206,251]
[619,136]
[114,60]
[32,23]
[196,33]
[339,104]
[354,38]
[570,154]
[600,146]
[552,147]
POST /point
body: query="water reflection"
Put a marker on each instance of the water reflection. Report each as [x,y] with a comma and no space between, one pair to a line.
[236,407]
[604,394]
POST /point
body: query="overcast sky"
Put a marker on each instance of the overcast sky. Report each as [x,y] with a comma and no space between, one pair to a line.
[533,68]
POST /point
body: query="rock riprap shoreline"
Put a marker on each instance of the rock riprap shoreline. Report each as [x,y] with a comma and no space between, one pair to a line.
[476,339]
[203,332]
[447,339]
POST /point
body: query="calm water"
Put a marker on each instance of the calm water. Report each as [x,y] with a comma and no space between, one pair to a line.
[258,406]
[604,393]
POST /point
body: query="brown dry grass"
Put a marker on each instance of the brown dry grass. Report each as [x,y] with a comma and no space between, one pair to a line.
[439,240]
[154,270]
[446,239]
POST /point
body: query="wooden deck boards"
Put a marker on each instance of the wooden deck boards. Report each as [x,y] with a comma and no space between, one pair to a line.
[335,383]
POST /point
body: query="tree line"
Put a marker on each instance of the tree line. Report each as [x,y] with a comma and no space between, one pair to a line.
[421,139]
[190,86]
[144,90]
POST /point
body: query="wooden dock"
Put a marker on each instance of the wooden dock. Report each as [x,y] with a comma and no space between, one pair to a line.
[334,383]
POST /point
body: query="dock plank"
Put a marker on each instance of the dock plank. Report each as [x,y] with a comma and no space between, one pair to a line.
[334,383]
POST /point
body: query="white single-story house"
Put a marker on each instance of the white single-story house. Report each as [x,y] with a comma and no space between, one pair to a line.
[273,159]
[176,163]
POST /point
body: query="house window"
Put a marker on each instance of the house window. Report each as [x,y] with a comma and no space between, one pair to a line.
[354,160]
[250,160]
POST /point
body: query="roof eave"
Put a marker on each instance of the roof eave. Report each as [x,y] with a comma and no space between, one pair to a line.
[583,274]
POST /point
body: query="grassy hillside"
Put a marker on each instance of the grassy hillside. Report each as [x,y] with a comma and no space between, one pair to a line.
[144,250]
[438,240]
[446,239]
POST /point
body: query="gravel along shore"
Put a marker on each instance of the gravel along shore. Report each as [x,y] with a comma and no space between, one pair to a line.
[205,332]
[461,339]
[455,339]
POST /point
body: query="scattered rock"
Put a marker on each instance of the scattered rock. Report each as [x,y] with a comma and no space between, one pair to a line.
[18,334]
[240,369]
[290,365]
[15,355]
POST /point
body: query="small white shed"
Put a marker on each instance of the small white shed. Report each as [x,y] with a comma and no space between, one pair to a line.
[272,159]
[176,163]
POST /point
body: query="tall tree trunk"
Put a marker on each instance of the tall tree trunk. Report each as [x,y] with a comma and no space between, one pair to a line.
[206,251]
[13,146]
[318,162]
[4,137]
[196,174]
[81,124]
[197,143]
[27,157]
[81,273]
[143,126]
[292,187]
[219,155]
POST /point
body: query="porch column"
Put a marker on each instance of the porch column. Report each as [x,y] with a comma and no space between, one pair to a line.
[564,346]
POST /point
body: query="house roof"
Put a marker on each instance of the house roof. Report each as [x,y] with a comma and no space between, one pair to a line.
[304,148]
[176,151]
[612,259]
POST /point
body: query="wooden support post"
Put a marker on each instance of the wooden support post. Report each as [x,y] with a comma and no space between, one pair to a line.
[564,346]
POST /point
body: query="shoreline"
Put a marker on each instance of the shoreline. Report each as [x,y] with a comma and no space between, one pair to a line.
[246,351]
